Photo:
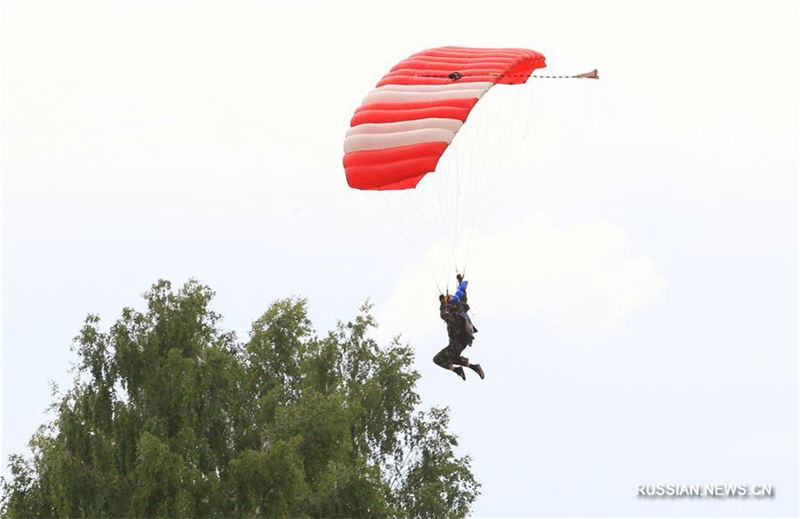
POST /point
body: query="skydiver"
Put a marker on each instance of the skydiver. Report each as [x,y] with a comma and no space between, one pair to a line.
[460,332]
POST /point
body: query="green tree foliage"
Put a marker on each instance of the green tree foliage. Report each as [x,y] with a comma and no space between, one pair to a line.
[171,416]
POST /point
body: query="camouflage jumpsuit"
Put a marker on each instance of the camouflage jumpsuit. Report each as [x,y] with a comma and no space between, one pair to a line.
[459,332]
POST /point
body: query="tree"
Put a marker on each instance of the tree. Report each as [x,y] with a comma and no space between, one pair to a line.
[171,416]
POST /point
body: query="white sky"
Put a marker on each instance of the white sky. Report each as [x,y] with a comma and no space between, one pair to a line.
[636,300]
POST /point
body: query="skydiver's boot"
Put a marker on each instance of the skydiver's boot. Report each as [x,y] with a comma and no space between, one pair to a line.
[477,369]
[460,372]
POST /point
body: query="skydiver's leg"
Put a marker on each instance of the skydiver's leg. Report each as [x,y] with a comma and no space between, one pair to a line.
[445,359]
[456,358]
[456,349]
[463,361]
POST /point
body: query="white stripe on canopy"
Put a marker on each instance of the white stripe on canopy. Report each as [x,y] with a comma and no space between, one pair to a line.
[417,124]
[380,141]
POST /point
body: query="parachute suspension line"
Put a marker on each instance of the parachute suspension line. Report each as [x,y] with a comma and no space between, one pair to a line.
[445,216]
[390,204]
[405,199]
[481,161]
[474,181]
[425,214]
[492,164]
[495,171]
[461,208]
[464,208]
[485,185]
[422,227]
[470,182]
[452,211]
[457,209]
[441,193]
[471,186]
[530,109]
[459,200]
[386,206]
[534,105]
[477,135]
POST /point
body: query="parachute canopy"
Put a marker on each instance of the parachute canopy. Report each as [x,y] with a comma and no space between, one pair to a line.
[403,126]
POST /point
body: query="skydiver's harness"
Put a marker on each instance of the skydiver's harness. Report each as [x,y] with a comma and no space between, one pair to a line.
[460,309]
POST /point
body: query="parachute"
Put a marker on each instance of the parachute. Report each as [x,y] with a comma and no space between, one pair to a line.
[411,148]
[404,125]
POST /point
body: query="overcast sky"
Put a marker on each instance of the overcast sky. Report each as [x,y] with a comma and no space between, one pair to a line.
[636,293]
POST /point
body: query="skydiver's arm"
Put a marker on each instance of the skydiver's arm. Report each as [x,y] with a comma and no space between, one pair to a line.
[461,293]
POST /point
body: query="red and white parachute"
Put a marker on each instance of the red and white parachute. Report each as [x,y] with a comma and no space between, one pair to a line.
[403,126]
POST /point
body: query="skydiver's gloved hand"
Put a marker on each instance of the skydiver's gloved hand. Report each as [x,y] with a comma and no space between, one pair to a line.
[460,277]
